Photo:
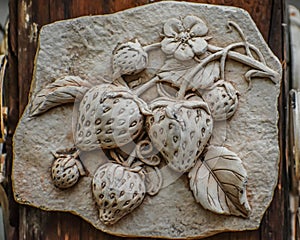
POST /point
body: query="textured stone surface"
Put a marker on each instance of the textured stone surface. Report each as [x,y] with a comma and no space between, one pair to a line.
[83,47]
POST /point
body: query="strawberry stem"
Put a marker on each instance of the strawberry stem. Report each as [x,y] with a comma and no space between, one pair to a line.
[133,153]
[131,157]
[141,89]
[151,47]
[76,154]
[182,91]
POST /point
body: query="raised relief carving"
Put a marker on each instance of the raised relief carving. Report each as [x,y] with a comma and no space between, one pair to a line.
[218,182]
[178,122]
[118,191]
[153,127]
[66,169]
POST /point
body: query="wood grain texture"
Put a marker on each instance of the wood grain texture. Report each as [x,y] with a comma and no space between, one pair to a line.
[13,113]
[28,16]
[27,41]
[276,222]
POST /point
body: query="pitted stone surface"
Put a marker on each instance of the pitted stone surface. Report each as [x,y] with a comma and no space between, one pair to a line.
[83,47]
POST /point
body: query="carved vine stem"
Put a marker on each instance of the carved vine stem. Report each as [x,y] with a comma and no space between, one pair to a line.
[131,157]
[151,47]
[240,58]
[236,45]
[218,53]
[231,24]
[140,90]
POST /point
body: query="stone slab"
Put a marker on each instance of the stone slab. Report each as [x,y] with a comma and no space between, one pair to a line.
[83,47]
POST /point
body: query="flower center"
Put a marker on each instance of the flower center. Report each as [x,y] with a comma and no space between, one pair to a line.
[183,37]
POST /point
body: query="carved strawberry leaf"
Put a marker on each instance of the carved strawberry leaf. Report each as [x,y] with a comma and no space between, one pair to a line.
[176,72]
[63,90]
[173,71]
[219,182]
[206,77]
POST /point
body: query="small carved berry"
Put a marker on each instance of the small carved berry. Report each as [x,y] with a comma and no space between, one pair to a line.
[129,58]
[222,100]
[117,191]
[109,116]
[66,170]
[180,130]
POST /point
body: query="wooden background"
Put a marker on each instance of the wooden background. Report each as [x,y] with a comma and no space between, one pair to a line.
[28,16]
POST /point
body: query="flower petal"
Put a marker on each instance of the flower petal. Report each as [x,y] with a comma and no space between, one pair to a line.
[199,45]
[195,25]
[169,45]
[172,27]
[184,52]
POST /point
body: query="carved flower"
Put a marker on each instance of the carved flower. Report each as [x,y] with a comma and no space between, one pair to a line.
[184,38]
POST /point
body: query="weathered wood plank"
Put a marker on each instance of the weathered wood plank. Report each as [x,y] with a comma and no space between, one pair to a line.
[50,226]
[68,224]
[119,5]
[59,12]
[27,40]
[13,114]
[276,222]
[81,7]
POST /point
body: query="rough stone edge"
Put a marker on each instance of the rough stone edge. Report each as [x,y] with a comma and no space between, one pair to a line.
[140,8]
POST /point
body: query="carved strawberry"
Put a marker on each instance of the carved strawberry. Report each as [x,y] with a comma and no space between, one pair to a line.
[180,130]
[66,170]
[118,191]
[109,116]
[222,100]
[129,58]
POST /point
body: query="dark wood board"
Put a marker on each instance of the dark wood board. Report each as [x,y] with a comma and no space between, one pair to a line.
[31,223]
